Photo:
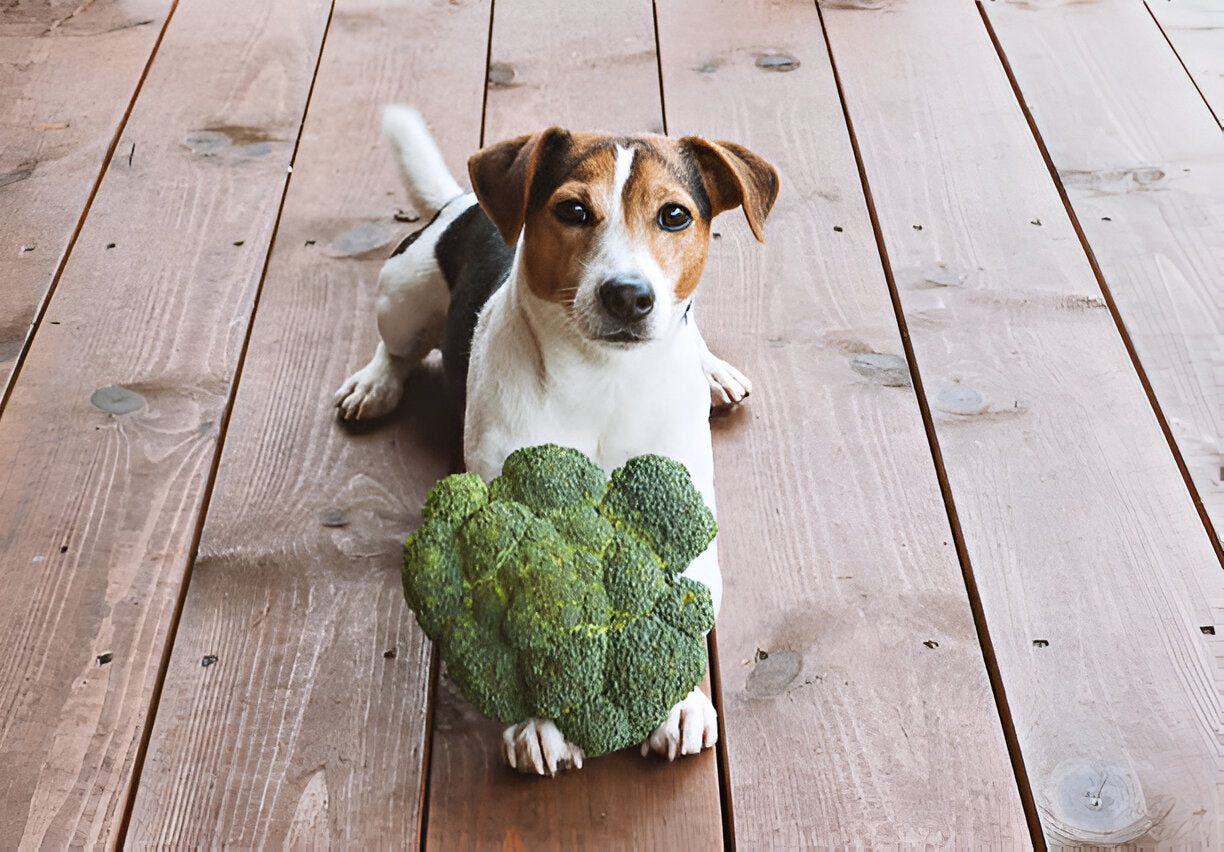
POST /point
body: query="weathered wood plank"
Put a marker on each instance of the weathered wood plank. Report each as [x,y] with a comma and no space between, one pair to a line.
[565,57]
[1195,28]
[309,730]
[1142,164]
[1094,569]
[582,65]
[65,86]
[856,704]
[109,437]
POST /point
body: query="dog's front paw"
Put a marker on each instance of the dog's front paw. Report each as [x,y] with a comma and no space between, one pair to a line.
[691,726]
[370,392]
[538,746]
[728,386]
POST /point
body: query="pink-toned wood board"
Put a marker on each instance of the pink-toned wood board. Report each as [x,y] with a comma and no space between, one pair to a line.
[67,78]
[109,437]
[1094,569]
[310,728]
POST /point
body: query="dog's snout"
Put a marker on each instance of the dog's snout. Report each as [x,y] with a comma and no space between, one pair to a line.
[627,299]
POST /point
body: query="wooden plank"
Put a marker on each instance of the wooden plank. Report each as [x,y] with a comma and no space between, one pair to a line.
[856,704]
[564,56]
[98,507]
[1142,164]
[554,63]
[309,730]
[1195,29]
[1094,570]
[56,125]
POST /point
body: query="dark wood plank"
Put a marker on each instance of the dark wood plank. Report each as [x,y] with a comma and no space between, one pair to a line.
[67,79]
[98,508]
[564,56]
[309,730]
[857,707]
[1095,572]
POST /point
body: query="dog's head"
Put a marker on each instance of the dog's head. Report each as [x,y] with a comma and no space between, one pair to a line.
[615,230]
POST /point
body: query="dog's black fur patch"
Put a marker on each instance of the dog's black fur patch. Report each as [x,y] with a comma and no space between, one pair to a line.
[475,262]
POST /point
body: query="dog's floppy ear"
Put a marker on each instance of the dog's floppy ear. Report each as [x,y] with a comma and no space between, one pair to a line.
[503,174]
[734,177]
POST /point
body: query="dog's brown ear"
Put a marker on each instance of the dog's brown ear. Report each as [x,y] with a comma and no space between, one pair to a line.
[503,174]
[734,177]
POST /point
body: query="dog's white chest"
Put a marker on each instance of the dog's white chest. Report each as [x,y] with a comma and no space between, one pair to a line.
[525,389]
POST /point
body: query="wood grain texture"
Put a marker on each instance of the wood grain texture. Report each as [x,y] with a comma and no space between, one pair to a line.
[1195,29]
[1143,166]
[1095,572]
[582,65]
[593,58]
[98,508]
[56,124]
[856,704]
[309,730]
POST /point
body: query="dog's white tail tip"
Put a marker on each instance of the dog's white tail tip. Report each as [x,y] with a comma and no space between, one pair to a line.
[424,170]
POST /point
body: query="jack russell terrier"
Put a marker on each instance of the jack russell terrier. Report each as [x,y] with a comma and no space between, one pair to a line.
[561,294]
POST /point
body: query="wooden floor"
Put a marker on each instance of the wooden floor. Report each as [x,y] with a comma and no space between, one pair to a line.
[969,518]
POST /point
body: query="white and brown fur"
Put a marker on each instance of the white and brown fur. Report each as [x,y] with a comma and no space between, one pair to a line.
[582,334]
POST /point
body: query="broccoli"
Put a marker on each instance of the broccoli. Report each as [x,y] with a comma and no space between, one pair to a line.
[558,594]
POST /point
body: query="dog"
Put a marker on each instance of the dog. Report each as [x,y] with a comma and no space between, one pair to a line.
[561,294]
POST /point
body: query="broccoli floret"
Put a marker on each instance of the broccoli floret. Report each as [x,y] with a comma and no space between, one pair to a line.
[549,477]
[633,576]
[654,498]
[557,594]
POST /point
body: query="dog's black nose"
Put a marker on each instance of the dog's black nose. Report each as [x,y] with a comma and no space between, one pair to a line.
[627,299]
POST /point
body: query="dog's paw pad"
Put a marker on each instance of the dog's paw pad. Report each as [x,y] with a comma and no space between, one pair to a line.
[367,394]
[692,725]
[538,746]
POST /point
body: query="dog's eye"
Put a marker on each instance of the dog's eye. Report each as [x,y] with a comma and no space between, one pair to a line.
[674,217]
[571,213]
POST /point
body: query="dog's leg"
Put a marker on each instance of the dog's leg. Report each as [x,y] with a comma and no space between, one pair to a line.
[728,386]
[412,302]
[538,746]
[692,725]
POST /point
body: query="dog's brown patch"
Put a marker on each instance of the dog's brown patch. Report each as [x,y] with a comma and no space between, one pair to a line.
[554,253]
[658,180]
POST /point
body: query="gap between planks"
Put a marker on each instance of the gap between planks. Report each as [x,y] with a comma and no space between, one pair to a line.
[37,319]
[654,18]
[484,114]
[1023,784]
[715,674]
[431,707]
[210,483]
[1107,294]
[1181,61]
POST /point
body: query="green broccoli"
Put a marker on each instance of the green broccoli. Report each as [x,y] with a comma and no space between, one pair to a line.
[557,594]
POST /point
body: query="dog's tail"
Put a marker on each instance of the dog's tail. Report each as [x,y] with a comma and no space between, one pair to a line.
[429,182]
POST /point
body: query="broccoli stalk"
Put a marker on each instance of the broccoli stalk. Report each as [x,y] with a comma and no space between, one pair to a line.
[555,593]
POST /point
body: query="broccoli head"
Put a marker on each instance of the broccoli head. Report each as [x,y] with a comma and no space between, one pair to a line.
[558,594]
